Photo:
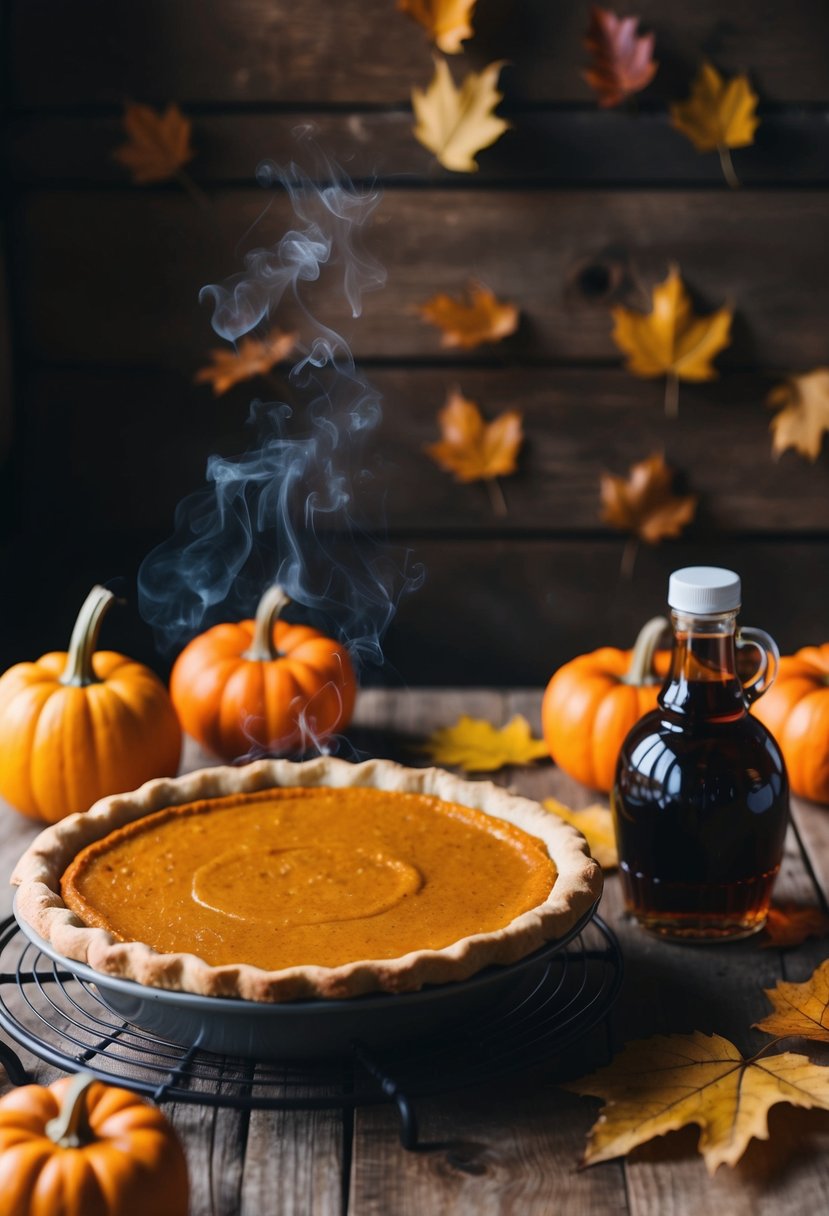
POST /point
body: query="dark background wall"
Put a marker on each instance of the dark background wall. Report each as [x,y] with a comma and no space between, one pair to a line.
[571,212]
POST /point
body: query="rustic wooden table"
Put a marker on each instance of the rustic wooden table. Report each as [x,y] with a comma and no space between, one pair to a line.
[514,1147]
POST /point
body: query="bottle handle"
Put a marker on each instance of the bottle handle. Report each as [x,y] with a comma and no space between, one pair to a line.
[766,673]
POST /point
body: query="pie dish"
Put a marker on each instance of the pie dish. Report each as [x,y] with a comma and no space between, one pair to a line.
[279,881]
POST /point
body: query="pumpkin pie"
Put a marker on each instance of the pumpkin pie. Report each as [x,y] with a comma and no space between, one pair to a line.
[279,881]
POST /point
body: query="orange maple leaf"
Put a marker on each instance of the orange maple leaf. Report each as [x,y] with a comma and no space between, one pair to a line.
[644,504]
[622,59]
[158,144]
[471,319]
[803,402]
[447,22]
[474,450]
[790,924]
[253,357]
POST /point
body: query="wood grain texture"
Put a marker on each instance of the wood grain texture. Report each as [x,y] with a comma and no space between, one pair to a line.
[512,1148]
[125,286]
[276,51]
[560,147]
[496,610]
[105,467]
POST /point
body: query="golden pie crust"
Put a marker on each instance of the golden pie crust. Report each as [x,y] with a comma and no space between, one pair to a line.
[344,891]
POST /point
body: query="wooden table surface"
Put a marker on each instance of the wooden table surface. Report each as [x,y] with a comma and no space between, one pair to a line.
[514,1147]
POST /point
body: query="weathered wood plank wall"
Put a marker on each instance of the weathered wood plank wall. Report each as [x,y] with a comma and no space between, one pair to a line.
[109,432]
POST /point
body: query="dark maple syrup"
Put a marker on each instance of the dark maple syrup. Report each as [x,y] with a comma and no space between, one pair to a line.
[701,797]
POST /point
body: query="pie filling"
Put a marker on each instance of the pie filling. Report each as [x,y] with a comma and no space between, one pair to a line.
[293,877]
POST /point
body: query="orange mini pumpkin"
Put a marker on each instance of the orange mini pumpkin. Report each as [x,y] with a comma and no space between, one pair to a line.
[79,1146]
[263,685]
[591,703]
[796,711]
[77,725]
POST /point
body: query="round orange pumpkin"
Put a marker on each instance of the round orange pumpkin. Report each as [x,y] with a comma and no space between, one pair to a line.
[796,711]
[263,685]
[592,702]
[81,1147]
[77,725]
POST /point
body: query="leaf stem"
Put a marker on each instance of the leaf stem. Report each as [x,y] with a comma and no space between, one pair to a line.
[629,558]
[727,166]
[496,496]
[671,395]
[195,192]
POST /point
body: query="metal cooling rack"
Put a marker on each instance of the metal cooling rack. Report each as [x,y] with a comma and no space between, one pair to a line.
[62,1020]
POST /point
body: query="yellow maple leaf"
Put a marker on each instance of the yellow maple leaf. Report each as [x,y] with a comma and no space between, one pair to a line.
[660,1084]
[803,402]
[670,340]
[596,825]
[253,357]
[456,123]
[790,924]
[468,320]
[158,144]
[800,1009]
[720,114]
[447,22]
[476,746]
[472,449]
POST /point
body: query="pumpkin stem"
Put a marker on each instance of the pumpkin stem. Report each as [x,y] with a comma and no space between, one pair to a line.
[262,648]
[70,1129]
[640,669]
[79,670]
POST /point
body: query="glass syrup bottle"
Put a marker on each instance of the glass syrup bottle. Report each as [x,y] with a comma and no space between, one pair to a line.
[701,797]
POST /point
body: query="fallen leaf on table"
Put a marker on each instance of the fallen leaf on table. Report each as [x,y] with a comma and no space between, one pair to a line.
[790,924]
[476,746]
[158,144]
[800,1009]
[670,340]
[253,357]
[596,825]
[720,114]
[456,123]
[803,402]
[472,449]
[447,22]
[468,320]
[644,503]
[664,1083]
[622,58]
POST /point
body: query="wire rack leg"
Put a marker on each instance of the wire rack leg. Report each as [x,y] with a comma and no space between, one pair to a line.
[14,1066]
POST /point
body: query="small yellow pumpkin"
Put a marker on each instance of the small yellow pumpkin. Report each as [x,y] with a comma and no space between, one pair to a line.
[78,725]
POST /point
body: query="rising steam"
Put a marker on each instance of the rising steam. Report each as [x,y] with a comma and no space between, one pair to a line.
[303,505]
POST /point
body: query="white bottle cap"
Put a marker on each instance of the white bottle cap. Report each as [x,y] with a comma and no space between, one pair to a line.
[704,589]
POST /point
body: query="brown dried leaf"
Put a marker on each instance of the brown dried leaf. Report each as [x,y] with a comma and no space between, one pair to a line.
[158,144]
[644,504]
[664,1083]
[447,22]
[800,1009]
[474,450]
[790,924]
[253,357]
[804,413]
[468,320]
[456,123]
[623,60]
